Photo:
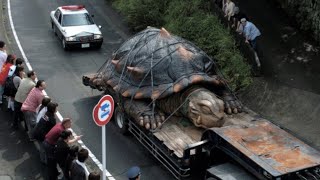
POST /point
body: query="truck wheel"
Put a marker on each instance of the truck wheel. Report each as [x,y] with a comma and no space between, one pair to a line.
[121,121]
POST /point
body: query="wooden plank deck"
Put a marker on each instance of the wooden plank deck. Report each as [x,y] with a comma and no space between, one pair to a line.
[176,135]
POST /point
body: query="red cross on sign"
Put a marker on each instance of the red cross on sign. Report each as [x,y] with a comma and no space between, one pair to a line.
[102,112]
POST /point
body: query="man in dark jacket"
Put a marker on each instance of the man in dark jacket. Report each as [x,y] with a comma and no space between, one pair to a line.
[46,123]
[62,150]
[78,169]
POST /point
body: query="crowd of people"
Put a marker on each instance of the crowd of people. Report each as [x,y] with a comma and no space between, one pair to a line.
[240,22]
[35,112]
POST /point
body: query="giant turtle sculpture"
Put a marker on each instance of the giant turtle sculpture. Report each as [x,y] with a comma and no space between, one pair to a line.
[155,74]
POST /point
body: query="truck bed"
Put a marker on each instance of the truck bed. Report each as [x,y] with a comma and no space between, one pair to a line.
[177,134]
[267,150]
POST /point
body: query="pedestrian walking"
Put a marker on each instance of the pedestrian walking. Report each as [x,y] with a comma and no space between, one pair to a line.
[30,105]
[24,88]
[94,176]
[134,173]
[78,169]
[251,33]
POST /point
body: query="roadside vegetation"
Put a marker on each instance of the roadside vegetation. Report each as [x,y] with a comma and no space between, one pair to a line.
[307,14]
[194,21]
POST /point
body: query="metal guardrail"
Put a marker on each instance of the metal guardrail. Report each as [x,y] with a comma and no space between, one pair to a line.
[178,171]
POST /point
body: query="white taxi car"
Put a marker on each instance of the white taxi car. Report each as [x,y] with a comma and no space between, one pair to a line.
[75,27]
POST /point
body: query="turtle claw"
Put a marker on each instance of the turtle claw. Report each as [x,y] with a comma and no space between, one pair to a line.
[232,104]
[150,122]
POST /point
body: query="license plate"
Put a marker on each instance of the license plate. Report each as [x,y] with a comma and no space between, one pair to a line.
[85,45]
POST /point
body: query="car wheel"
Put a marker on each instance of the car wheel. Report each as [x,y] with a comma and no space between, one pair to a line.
[64,45]
[121,121]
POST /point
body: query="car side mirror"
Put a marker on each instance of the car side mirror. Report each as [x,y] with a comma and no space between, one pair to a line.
[99,26]
[92,15]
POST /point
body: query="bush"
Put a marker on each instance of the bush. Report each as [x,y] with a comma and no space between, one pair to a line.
[141,13]
[192,20]
[306,12]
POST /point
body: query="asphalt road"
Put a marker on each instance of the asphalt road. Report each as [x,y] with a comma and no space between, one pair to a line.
[63,71]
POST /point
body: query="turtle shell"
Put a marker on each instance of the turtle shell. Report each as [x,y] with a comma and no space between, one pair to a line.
[154,64]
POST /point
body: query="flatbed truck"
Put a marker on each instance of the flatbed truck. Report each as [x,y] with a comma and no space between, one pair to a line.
[260,150]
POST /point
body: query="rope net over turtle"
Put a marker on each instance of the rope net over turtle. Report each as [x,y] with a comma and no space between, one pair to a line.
[154,64]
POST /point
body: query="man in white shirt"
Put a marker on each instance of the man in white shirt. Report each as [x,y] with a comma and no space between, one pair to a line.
[3,58]
[230,9]
[42,109]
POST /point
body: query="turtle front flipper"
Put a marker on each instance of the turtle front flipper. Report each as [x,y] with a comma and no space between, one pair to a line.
[142,113]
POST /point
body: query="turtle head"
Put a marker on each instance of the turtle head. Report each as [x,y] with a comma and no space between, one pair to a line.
[205,109]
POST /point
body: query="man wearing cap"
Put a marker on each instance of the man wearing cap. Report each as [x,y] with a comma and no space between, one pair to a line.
[134,173]
[251,33]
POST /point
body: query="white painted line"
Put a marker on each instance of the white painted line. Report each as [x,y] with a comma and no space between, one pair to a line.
[93,157]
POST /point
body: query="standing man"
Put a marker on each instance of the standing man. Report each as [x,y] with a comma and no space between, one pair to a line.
[230,9]
[3,58]
[30,105]
[49,143]
[24,88]
[251,33]
[78,169]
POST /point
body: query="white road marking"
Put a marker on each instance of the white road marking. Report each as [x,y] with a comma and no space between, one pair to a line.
[93,157]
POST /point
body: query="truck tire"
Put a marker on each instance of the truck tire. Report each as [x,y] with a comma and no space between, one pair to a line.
[121,121]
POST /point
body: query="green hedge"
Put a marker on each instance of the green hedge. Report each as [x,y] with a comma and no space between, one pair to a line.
[191,20]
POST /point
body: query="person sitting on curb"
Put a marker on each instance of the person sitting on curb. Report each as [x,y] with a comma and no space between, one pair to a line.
[251,33]
[134,173]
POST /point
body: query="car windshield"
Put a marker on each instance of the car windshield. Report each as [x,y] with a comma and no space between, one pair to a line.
[76,19]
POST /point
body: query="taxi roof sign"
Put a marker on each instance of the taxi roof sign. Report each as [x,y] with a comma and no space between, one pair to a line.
[73,7]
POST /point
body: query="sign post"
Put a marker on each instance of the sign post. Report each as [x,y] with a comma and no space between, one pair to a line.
[102,114]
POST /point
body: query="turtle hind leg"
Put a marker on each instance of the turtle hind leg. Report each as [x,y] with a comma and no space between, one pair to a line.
[141,112]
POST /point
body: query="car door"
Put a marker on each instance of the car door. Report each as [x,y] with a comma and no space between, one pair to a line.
[57,22]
